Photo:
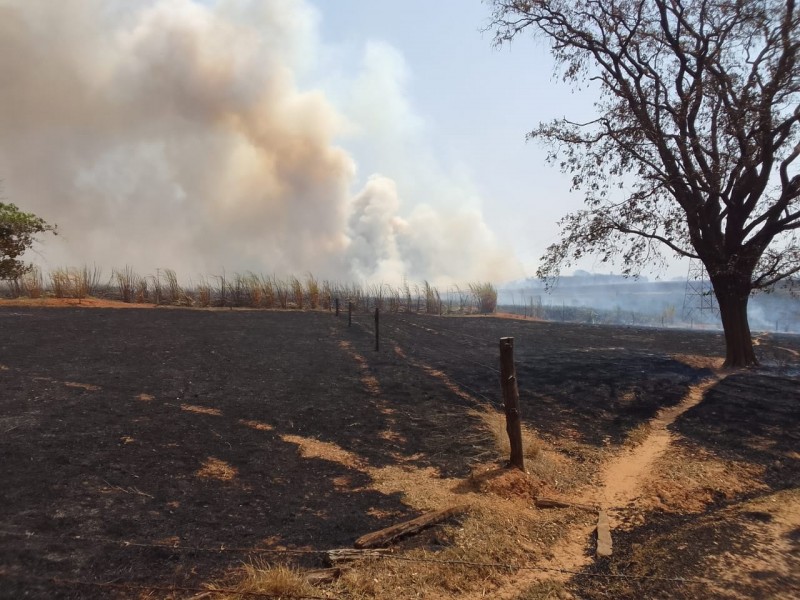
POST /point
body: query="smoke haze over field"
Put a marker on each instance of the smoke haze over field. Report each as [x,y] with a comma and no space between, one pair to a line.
[170,133]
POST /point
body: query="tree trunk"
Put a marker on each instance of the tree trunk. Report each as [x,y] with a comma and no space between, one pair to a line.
[738,341]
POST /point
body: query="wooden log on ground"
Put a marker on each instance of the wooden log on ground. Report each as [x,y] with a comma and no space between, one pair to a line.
[386,536]
[553,503]
[603,535]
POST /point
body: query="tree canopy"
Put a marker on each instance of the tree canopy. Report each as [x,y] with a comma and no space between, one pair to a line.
[18,232]
[694,149]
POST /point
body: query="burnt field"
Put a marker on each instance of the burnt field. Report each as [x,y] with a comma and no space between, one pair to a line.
[149,450]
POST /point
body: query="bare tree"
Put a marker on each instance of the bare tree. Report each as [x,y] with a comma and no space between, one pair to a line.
[695,145]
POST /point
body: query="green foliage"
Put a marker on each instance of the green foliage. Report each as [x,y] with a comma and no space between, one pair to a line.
[17,234]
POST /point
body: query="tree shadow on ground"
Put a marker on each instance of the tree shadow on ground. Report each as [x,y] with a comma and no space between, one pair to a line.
[676,555]
[752,417]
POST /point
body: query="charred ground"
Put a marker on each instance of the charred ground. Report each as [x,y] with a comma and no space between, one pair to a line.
[186,428]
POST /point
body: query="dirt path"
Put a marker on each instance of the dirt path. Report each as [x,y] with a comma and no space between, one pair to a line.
[618,487]
[622,477]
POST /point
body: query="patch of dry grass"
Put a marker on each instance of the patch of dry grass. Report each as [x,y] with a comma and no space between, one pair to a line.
[257,425]
[697,361]
[214,468]
[485,296]
[126,281]
[84,386]
[253,291]
[477,553]
[471,559]
[270,580]
[30,284]
[639,434]
[539,461]
[689,480]
[201,410]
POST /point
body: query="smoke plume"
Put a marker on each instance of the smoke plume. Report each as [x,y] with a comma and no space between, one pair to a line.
[170,133]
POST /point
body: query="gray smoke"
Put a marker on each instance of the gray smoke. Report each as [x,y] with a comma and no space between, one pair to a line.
[169,133]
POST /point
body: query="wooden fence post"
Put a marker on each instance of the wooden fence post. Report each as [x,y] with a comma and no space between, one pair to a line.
[377,332]
[508,382]
[337,307]
[349,313]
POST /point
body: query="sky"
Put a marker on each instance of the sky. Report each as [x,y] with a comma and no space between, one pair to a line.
[356,140]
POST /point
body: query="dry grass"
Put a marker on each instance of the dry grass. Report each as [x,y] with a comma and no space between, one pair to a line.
[475,554]
[142,290]
[30,284]
[173,291]
[74,283]
[253,291]
[59,283]
[312,289]
[433,301]
[201,410]
[126,281]
[297,292]
[639,434]
[257,425]
[688,481]
[539,461]
[494,533]
[215,468]
[485,296]
[204,292]
[262,578]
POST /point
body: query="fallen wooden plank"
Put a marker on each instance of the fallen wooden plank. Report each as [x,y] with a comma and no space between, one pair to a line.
[386,536]
[553,503]
[603,535]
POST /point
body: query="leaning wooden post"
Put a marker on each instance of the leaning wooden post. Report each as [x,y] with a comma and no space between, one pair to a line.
[337,307]
[377,331]
[349,313]
[508,382]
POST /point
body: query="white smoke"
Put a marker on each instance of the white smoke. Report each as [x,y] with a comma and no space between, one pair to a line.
[170,133]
